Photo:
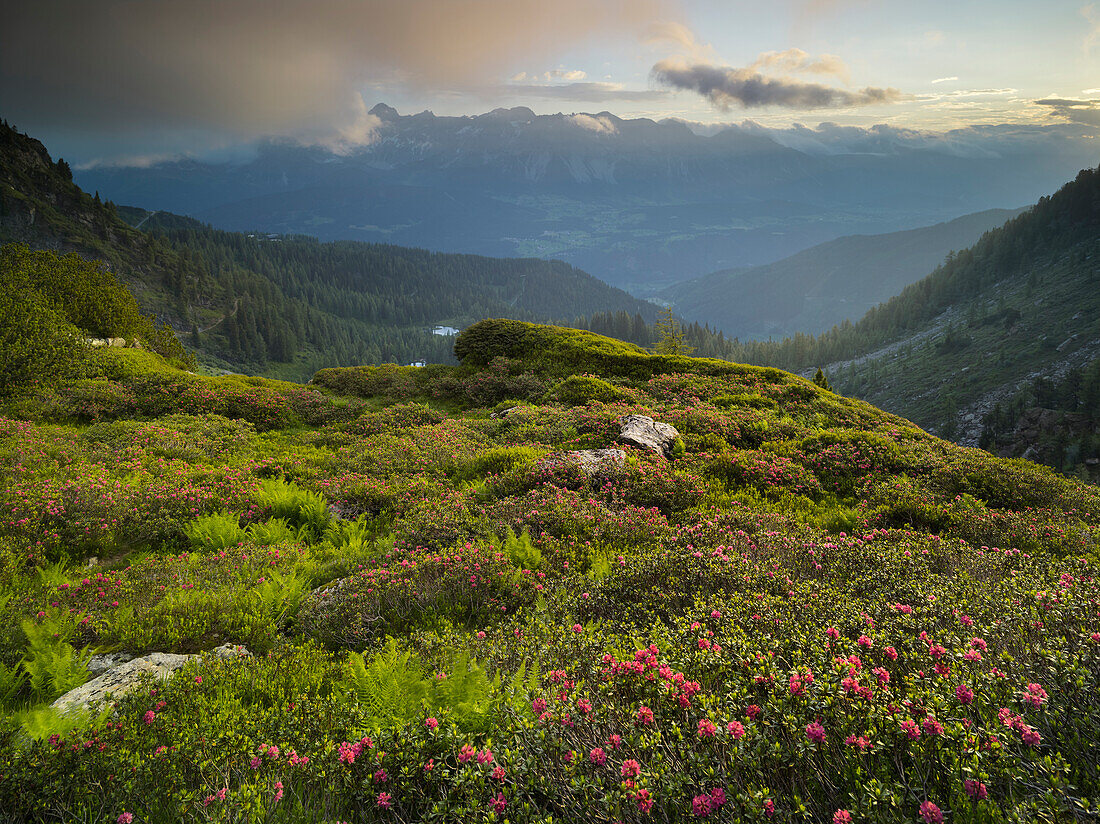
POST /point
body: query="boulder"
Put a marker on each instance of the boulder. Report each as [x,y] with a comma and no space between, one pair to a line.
[231,651]
[504,413]
[99,664]
[592,462]
[121,679]
[643,431]
[118,673]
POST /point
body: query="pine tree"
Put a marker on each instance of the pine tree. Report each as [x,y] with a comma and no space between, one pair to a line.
[821,380]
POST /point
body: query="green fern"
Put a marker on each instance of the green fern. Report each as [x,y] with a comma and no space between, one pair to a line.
[275,531]
[11,682]
[222,530]
[296,505]
[521,551]
[39,724]
[600,566]
[517,691]
[279,596]
[52,575]
[392,690]
[354,535]
[53,666]
[465,695]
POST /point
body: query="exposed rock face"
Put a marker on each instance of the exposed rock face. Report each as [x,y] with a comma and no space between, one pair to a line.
[231,651]
[121,679]
[99,664]
[593,462]
[643,431]
[120,672]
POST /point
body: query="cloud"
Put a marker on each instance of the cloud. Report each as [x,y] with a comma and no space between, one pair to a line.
[589,92]
[359,132]
[944,80]
[681,41]
[796,61]
[600,124]
[971,93]
[562,74]
[724,86]
[1091,13]
[1072,109]
[245,68]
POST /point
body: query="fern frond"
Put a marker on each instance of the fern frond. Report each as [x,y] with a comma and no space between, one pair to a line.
[392,689]
[465,694]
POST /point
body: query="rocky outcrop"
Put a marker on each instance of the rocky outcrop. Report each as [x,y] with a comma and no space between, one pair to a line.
[121,679]
[643,431]
[113,343]
[592,462]
[99,664]
[121,672]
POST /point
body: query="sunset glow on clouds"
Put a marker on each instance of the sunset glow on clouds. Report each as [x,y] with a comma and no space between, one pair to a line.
[193,74]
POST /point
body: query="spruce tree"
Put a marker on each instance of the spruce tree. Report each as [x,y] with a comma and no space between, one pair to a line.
[670,336]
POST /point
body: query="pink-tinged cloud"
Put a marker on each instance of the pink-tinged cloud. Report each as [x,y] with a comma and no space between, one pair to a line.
[251,67]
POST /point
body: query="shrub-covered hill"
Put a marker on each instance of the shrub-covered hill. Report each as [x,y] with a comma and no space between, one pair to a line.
[814,612]
[51,305]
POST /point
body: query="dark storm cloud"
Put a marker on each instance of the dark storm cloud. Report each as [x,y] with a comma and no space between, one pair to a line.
[251,67]
[724,86]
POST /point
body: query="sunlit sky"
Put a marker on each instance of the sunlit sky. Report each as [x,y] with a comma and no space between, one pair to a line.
[119,78]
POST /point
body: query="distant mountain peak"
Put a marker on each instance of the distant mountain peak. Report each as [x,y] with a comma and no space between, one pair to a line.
[384,112]
[514,113]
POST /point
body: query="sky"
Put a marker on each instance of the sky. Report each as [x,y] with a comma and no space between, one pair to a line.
[138,80]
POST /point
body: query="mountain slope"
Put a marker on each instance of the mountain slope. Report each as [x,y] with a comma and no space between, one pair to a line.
[289,305]
[827,284]
[639,204]
[1022,304]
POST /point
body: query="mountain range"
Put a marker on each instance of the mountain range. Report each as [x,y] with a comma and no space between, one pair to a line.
[638,203]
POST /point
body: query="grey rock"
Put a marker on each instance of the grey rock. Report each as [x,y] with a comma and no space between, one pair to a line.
[231,651]
[643,431]
[593,462]
[344,512]
[504,413]
[99,664]
[121,679]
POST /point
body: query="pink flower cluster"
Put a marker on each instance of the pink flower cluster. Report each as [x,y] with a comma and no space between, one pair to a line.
[349,752]
[706,803]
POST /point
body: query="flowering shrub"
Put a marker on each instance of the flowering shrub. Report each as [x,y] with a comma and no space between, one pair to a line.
[815,613]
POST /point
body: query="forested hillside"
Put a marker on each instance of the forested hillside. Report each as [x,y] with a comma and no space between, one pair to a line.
[826,284]
[1021,305]
[1060,230]
[285,305]
[50,306]
[1055,421]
